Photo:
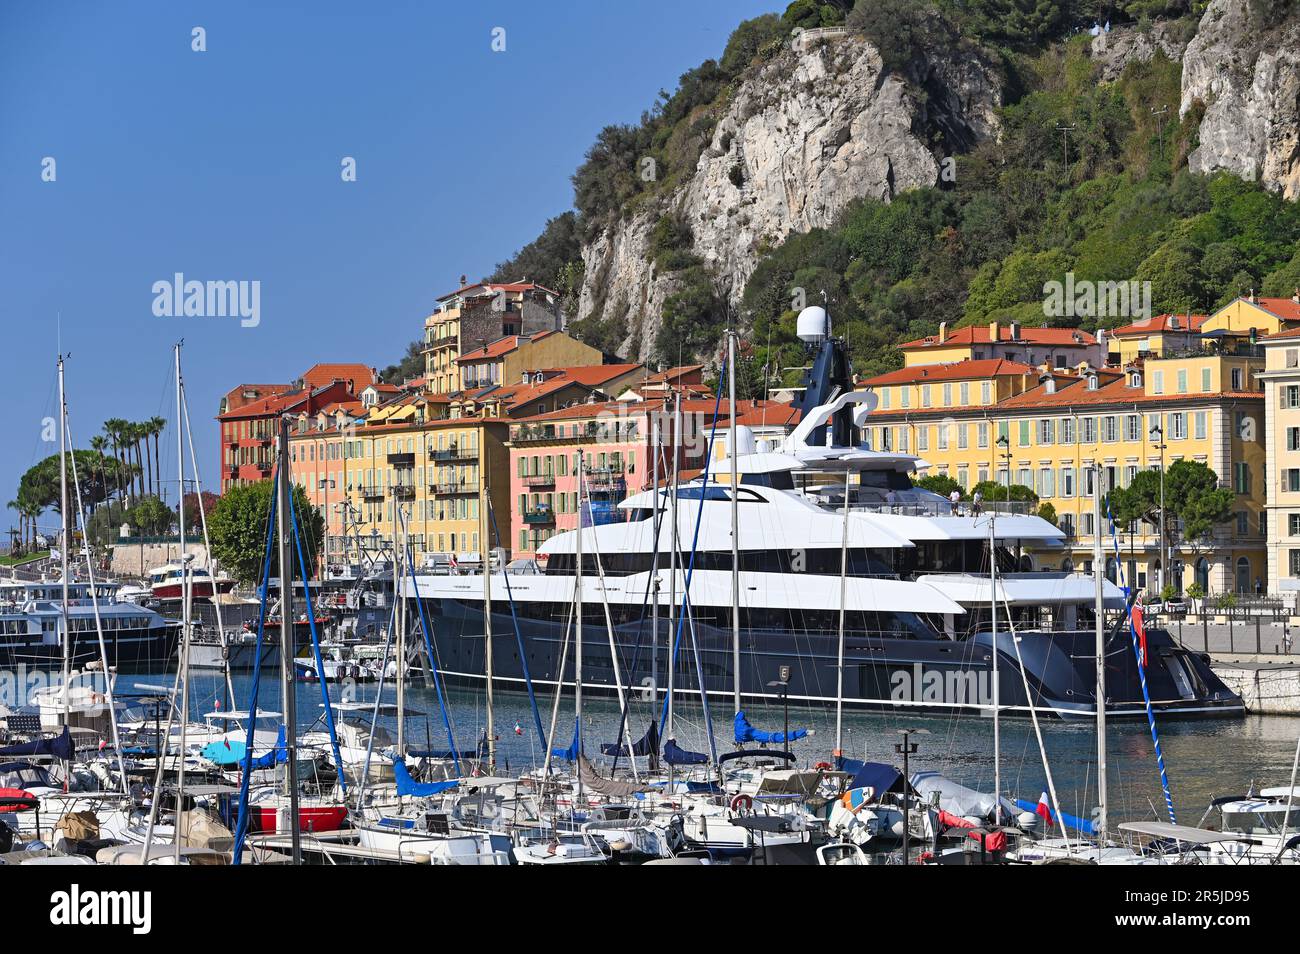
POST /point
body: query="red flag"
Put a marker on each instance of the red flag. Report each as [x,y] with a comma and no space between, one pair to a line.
[1139,628]
[1043,810]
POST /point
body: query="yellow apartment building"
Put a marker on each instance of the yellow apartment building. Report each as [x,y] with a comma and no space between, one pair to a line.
[1281,381]
[1154,337]
[1048,430]
[360,471]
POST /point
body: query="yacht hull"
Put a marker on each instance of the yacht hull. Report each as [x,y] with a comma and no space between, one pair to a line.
[880,672]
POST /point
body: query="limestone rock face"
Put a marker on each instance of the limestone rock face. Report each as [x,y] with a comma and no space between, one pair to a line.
[1244,71]
[800,138]
[1127,44]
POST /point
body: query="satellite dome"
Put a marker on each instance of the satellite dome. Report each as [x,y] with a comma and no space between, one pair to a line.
[814,325]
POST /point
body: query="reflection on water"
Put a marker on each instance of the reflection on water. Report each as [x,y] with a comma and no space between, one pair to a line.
[1205,758]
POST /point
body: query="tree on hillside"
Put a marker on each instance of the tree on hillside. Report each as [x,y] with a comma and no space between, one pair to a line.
[238,526]
[410,366]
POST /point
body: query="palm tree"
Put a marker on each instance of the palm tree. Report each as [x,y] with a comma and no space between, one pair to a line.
[113,430]
[138,438]
[157,426]
[99,443]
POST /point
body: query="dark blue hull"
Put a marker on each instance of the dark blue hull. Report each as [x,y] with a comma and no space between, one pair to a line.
[880,672]
[128,650]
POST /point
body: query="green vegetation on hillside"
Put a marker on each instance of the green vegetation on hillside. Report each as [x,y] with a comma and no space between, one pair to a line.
[1110,199]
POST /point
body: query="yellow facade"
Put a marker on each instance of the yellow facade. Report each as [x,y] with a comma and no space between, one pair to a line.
[1281,382]
[1241,317]
[434,470]
[1051,437]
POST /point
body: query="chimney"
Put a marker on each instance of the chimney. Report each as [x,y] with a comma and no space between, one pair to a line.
[993,332]
[1296,297]
[943,332]
[1173,322]
[1015,331]
[1252,299]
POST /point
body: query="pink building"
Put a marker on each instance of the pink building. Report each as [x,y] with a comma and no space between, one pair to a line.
[616,438]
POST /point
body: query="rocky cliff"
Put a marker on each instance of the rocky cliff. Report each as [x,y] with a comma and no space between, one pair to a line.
[1243,70]
[816,127]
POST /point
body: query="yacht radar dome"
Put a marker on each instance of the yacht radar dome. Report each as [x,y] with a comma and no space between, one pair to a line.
[814,325]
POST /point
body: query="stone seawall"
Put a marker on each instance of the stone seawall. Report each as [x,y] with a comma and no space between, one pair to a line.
[134,560]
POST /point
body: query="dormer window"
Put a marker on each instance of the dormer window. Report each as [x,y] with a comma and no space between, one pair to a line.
[1092,382]
[1135,378]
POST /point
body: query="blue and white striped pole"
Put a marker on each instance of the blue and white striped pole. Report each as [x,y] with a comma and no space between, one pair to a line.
[1141,668]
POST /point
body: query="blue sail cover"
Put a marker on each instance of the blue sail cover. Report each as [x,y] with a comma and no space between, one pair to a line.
[1078,824]
[879,777]
[409,786]
[674,755]
[747,733]
[648,744]
[571,753]
[60,747]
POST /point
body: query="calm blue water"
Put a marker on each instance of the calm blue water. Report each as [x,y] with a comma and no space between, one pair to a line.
[1204,758]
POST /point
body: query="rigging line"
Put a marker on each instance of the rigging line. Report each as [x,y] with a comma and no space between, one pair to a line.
[94,602]
[555,705]
[315,645]
[207,541]
[241,825]
[514,618]
[1029,697]
[374,717]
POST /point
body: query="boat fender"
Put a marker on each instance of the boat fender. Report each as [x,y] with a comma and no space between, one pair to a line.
[742,802]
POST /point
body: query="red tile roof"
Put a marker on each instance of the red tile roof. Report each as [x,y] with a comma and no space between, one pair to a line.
[1288,333]
[952,371]
[501,346]
[1112,388]
[1288,309]
[321,374]
[595,374]
[1158,324]
[979,334]
[673,374]
[490,287]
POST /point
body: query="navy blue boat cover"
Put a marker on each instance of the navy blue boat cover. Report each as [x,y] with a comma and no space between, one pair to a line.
[648,744]
[879,777]
[60,747]
[674,755]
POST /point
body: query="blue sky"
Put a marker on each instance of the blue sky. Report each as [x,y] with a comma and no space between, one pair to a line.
[225,165]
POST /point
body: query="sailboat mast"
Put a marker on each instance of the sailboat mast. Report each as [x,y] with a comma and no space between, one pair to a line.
[64,543]
[997,689]
[735,522]
[400,543]
[672,560]
[839,650]
[577,655]
[288,640]
[1100,624]
[186,591]
[486,555]
[656,522]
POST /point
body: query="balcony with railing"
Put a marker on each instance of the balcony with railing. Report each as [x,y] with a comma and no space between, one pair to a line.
[401,460]
[609,477]
[546,479]
[542,516]
[370,491]
[451,488]
[404,491]
[453,452]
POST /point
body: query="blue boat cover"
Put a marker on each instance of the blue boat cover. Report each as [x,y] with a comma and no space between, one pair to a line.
[1078,824]
[747,733]
[675,755]
[233,752]
[409,786]
[648,744]
[60,747]
[879,777]
[571,753]
[852,766]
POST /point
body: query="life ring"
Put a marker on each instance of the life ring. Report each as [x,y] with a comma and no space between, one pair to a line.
[742,801]
[823,766]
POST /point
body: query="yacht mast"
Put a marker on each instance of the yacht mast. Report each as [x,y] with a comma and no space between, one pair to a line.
[288,641]
[1100,621]
[399,579]
[735,523]
[64,543]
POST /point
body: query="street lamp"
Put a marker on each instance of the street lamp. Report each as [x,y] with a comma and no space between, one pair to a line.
[1158,429]
[907,748]
[1004,442]
[783,684]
